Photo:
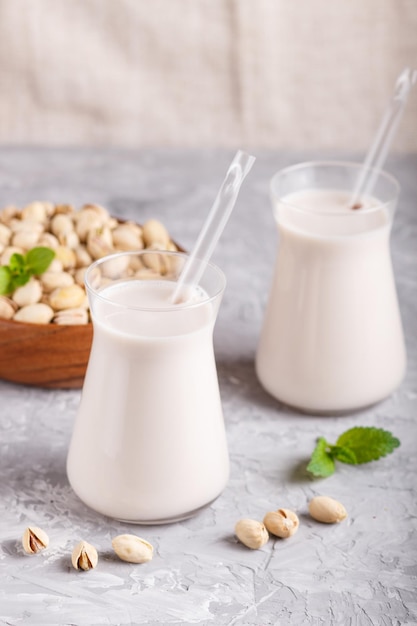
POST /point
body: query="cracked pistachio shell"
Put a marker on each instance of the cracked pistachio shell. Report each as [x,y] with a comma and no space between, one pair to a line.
[327,510]
[84,556]
[282,523]
[251,533]
[34,540]
[132,549]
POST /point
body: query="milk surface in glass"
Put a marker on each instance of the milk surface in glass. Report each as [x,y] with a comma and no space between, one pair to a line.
[149,441]
[332,337]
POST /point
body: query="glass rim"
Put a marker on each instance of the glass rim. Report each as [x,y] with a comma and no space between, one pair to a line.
[172,307]
[335,164]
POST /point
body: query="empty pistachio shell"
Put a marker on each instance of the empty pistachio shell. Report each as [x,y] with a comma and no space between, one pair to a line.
[67,297]
[29,293]
[38,313]
[282,523]
[327,510]
[71,317]
[251,533]
[132,549]
[34,540]
[84,556]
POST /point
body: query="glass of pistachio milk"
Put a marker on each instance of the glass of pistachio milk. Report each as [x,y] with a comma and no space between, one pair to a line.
[148,444]
[332,338]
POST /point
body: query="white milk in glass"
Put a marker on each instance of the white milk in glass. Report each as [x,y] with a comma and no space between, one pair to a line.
[149,441]
[332,337]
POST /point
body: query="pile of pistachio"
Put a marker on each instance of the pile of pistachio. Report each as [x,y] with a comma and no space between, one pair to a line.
[284,523]
[77,238]
[129,548]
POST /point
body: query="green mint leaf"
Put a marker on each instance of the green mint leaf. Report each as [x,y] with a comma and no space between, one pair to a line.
[18,270]
[321,462]
[17,263]
[5,280]
[343,454]
[39,259]
[19,280]
[368,443]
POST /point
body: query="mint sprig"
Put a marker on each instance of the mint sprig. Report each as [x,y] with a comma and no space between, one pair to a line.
[22,266]
[357,445]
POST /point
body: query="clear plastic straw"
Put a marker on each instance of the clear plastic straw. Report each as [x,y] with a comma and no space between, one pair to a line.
[378,151]
[213,227]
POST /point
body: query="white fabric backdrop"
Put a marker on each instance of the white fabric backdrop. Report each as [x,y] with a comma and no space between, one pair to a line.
[308,74]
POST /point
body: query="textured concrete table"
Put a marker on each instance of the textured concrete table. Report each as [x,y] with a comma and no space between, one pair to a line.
[360,572]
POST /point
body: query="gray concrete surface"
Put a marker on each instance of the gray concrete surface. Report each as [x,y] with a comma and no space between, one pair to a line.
[360,572]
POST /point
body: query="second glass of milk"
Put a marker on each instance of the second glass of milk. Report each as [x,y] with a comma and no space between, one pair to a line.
[149,443]
[332,338]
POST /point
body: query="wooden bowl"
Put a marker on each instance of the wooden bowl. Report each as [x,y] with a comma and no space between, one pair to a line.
[45,355]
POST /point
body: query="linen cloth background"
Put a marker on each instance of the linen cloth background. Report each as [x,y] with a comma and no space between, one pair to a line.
[296,74]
